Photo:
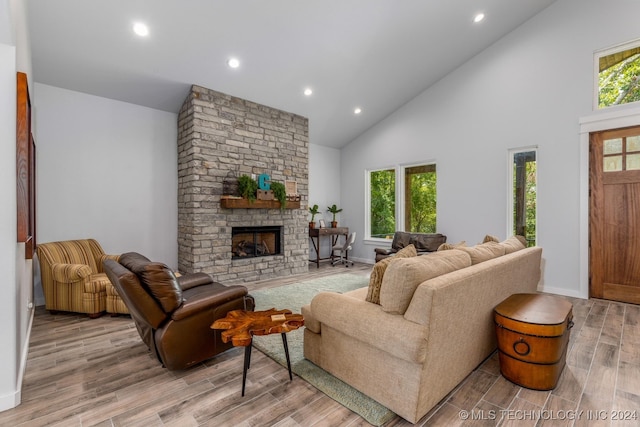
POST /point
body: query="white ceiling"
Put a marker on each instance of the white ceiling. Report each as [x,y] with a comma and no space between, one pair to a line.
[374,54]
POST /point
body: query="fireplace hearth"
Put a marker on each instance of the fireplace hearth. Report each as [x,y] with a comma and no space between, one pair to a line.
[249,242]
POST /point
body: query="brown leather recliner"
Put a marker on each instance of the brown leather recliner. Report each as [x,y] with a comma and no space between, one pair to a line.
[173,315]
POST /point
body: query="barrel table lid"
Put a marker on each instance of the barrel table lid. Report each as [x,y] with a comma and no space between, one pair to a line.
[535,309]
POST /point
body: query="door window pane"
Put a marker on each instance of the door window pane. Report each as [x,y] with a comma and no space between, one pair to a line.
[613,146]
[633,143]
[613,163]
[633,162]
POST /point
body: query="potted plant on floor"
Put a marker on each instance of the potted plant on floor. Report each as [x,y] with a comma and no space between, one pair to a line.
[314,211]
[334,210]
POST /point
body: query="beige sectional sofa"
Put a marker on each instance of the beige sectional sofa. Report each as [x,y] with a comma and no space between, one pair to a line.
[432,327]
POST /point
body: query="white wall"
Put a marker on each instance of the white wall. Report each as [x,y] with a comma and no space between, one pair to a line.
[530,88]
[8,229]
[324,189]
[106,170]
[17,292]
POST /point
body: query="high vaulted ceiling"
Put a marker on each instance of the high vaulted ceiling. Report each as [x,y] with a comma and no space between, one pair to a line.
[372,54]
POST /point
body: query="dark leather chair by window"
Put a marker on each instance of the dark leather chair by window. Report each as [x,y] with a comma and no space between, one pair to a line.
[173,315]
[424,243]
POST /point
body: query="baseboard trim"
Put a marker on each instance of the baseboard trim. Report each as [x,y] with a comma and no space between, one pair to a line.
[13,399]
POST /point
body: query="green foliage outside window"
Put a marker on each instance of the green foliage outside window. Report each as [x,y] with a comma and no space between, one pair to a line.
[529,193]
[420,214]
[419,201]
[620,83]
[383,203]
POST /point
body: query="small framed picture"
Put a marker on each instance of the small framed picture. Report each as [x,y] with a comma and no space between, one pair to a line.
[322,224]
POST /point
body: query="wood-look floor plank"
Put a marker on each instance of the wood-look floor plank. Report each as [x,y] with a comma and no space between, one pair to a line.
[521,413]
[558,412]
[502,392]
[472,390]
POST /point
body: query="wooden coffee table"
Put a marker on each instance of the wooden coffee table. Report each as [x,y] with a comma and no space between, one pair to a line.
[242,325]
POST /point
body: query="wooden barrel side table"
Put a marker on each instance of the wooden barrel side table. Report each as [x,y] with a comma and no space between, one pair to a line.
[533,335]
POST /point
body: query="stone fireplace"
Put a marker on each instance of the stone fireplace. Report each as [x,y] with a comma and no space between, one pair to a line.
[221,136]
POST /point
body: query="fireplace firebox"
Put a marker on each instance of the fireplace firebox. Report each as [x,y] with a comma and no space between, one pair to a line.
[255,241]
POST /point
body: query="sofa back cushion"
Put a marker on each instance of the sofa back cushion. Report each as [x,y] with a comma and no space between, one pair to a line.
[157,278]
[483,252]
[514,244]
[379,268]
[404,275]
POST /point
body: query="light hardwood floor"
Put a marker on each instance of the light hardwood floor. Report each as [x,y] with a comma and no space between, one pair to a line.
[84,372]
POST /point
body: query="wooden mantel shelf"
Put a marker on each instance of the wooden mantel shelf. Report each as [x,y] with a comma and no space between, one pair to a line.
[257,204]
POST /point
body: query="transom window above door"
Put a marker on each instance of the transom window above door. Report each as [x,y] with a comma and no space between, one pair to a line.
[618,75]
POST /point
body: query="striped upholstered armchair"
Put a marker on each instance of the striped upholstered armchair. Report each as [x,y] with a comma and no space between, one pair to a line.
[73,279]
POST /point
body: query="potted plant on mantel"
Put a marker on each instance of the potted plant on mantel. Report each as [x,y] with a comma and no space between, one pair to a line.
[314,211]
[280,193]
[334,210]
[247,187]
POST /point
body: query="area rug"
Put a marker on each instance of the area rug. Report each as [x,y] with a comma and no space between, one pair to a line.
[294,297]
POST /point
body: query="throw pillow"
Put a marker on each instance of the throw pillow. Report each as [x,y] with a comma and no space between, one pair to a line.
[490,238]
[513,244]
[447,246]
[403,276]
[379,268]
[483,252]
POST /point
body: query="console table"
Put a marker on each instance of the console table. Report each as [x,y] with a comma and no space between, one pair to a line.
[333,233]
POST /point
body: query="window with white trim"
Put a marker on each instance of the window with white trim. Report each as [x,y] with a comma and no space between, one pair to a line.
[617,71]
[523,194]
[401,198]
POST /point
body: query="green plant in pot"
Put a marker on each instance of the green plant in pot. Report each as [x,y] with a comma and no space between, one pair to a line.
[334,210]
[314,211]
[248,187]
[280,193]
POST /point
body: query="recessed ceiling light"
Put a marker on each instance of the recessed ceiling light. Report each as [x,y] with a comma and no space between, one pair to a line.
[357,110]
[233,63]
[479,17]
[140,29]
[308,91]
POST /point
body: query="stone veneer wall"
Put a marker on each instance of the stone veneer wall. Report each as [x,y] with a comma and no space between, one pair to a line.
[218,133]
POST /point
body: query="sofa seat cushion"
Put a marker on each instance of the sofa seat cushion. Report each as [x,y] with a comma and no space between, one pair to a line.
[360,320]
[404,275]
[483,252]
[377,273]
